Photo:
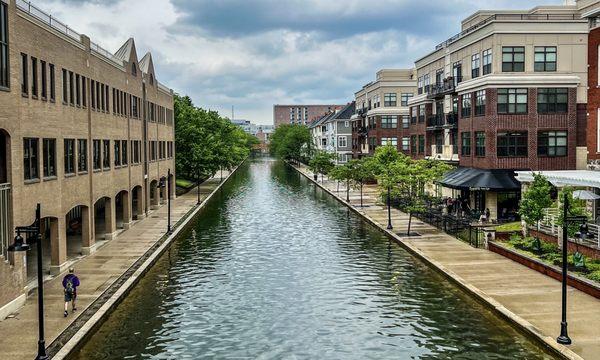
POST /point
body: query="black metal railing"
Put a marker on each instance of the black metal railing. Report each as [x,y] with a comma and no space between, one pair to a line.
[452,119]
[435,121]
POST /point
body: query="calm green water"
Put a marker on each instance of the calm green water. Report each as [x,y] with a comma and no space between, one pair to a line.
[276,269]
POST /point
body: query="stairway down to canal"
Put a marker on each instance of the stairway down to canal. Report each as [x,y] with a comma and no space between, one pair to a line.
[276,268]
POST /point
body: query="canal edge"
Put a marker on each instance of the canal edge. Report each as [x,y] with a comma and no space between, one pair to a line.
[88,328]
[515,320]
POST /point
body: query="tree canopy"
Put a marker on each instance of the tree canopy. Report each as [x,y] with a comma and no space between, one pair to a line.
[206,142]
[535,199]
[292,142]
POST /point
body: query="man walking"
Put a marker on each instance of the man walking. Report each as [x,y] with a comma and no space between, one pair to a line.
[70,283]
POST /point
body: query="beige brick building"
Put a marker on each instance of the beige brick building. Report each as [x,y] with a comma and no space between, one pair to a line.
[86,133]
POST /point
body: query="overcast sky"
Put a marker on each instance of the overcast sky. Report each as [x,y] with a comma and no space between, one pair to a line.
[256,53]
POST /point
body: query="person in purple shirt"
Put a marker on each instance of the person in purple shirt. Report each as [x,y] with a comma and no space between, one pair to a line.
[70,283]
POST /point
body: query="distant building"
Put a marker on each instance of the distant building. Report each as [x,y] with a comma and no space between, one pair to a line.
[300,114]
[333,132]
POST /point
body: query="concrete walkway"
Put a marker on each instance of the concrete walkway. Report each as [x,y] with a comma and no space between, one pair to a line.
[524,296]
[19,332]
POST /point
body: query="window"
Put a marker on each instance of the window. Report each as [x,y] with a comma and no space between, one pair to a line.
[421,144]
[389,141]
[420,85]
[77,90]
[413,144]
[513,59]
[465,110]
[426,83]
[487,61]
[4,68]
[24,75]
[82,165]
[49,152]
[30,158]
[34,77]
[479,143]
[134,107]
[457,72]
[422,113]
[512,101]
[389,122]
[117,154]
[413,119]
[65,86]
[44,77]
[439,77]
[404,99]
[83,92]
[480,103]
[97,157]
[342,142]
[69,156]
[552,100]
[552,143]
[466,144]
[106,154]
[475,66]
[71,89]
[405,144]
[405,121]
[124,154]
[512,144]
[133,69]
[545,58]
[389,99]
[52,83]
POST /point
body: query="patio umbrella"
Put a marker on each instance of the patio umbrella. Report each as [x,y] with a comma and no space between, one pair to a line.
[585,195]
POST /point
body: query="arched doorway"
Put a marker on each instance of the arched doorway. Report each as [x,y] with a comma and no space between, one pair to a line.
[6,226]
[104,218]
[122,209]
[163,189]
[48,229]
[77,223]
[137,203]
[154,196]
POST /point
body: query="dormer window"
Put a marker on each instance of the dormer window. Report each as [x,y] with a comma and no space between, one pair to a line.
[133,69]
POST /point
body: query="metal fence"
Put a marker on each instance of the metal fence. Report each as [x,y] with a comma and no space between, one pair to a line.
[550,225]
[5,225]
[460,228]
[39,14]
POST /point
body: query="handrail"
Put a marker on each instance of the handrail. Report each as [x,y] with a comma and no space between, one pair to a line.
[46,18]
[105,53]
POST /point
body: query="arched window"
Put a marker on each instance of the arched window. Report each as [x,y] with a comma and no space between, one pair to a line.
[133,69]
[151,79]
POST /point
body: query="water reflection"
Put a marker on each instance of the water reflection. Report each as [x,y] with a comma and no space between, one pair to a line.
[276,269]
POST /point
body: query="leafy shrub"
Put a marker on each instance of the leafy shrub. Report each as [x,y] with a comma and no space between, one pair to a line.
[548,248]
[594,276]
[593,265]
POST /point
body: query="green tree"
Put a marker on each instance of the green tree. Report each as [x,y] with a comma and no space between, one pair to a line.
[342,172]
[362,171]
[322,163]
[534,200]
[291,142]
[576,208]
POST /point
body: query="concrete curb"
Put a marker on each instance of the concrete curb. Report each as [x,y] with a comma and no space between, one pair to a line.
[102,313]
[518,322]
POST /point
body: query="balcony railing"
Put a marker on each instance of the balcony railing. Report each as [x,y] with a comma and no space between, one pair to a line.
[448,86]
[435,121]
[42,16]
[105,53]
[451,120]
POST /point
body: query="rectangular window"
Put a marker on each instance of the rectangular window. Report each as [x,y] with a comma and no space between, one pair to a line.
[93,94]
[487,61]
[405,121]
[552,100]
[117,144]
[30,158]
[420,85]
[413,118]
[83,92]
[106,154]
[439,77]
[124,154]
[97,155]
[44,77]
[512,144]
[480,103]
[457,73]
[426,83]
[49,152]
[52,82]
[513,59]
[479,143]
[404,99]
[342,142]
[134,107]
[24,75]
[465,110]
[421,144]
[389,99]
[545,58]
[82,165]
[512,101]
[413,144]
[421,113]
[114,92]
[4,68]
[389,141]
[552,143]
[69,156]
[34,77]
[475,66]
[466,144]
[389,122]
[71,89]
[405,144]
[77,90]
[65,87]
[98,94]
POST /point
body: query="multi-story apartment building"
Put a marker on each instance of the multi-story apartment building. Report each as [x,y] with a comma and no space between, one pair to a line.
[590,9]
[300,114]
[507,93]
[382,113]
[333,133]
[85,133]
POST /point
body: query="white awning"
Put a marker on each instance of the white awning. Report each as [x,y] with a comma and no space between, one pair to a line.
[562,178]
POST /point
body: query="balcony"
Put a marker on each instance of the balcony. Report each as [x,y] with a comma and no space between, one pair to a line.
[362,131]
[451,121]
[448,86]
[444,153]
[435,122]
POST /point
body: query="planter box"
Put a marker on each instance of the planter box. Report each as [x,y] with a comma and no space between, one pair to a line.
[587,286]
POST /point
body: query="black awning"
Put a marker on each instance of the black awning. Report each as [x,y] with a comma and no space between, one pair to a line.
[478,179]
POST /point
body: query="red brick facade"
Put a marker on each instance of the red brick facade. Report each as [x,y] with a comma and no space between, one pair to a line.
[593,94]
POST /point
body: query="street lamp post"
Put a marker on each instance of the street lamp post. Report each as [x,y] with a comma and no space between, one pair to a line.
[389,225]
[20,246]
[169,201]
[564,338]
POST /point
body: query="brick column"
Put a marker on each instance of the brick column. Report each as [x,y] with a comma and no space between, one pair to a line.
[87,236]
[126,201]
[110,218]
[58,245]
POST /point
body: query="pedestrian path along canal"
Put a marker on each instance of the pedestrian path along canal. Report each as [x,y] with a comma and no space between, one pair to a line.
[274,268]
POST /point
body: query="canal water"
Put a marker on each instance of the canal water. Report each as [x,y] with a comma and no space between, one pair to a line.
[275,268]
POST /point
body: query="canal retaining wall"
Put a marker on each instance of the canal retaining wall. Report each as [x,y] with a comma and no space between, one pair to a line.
[76,335]
[491,303]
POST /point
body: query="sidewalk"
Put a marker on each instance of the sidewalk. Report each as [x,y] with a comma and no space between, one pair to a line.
[526,297]
[19,332]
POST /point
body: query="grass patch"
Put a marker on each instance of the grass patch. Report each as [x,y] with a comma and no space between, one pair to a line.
[509,227]
[184,183]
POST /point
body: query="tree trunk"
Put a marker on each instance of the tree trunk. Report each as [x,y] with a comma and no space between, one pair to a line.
[409,221]
[348,191]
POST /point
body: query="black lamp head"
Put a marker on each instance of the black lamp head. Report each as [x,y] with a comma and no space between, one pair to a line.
[19,244]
